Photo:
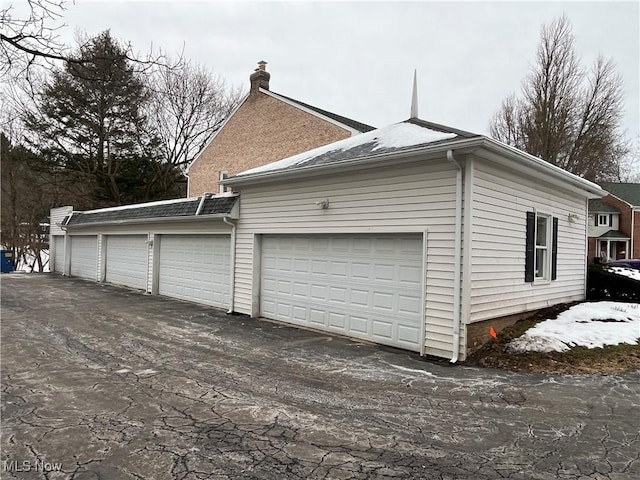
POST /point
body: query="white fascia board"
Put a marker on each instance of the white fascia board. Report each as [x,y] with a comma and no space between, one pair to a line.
[481,146]
[351,130]
[133,221]
[543,169]
[233,112]
[405,156]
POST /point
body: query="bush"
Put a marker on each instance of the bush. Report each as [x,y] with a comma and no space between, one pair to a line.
[604,285]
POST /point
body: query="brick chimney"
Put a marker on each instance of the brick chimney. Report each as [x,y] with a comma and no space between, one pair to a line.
[260,77]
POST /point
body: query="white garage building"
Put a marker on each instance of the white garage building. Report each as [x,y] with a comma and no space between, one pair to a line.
[178,248]
[415,235]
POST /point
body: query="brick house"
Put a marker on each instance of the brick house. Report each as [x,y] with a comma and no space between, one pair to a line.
[614,223]
[265,127]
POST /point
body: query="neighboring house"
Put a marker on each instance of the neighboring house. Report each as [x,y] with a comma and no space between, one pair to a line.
[415,235]
[266,126]
[614,223]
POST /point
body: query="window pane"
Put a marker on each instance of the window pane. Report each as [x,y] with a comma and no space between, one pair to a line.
[541,231]
[540,263]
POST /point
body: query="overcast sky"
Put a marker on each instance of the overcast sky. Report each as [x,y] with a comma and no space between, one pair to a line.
[357,59]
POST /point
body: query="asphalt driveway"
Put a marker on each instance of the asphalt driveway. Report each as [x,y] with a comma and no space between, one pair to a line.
[105,383]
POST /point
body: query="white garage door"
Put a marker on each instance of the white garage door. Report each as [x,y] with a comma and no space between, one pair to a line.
[126,262]
[58,259]
[84,256]
[195,268]
[362,286]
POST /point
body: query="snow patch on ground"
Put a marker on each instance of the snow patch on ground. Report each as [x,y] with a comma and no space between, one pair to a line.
[398,135]
[410,370]
[590,324]
[625,272]
[30,265]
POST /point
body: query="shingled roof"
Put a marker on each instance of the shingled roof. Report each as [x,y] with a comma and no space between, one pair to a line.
[396,138]
[186,207]
[629,192]
[596,205]
[361,127]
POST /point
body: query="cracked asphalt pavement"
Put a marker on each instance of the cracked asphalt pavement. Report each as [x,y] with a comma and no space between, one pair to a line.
[100,382]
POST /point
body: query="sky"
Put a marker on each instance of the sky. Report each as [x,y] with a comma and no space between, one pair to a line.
[357,58]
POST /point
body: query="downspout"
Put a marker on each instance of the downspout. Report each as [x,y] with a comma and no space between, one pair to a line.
[232,278]
[633,221]
[457,260]
[202,200]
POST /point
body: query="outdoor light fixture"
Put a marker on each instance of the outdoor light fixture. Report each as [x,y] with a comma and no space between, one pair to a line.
[573,218]
[323,204]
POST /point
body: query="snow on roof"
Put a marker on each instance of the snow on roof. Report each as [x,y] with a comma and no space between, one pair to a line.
[590,324]
[391,137]
[138,205]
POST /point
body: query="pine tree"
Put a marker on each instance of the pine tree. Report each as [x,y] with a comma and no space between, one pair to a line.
[91,128]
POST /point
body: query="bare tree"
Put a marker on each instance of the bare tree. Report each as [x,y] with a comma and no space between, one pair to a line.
[189,104]
[26,40]
[566,115]
[32,40]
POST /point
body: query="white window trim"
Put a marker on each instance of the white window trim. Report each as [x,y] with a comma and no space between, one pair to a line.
[606,221]
[548,248]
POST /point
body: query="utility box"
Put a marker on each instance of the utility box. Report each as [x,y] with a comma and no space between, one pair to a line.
[6,261]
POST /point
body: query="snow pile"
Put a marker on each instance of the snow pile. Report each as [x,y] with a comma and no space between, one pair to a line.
[591,325]
[398,135]
[625,272]
[29,264]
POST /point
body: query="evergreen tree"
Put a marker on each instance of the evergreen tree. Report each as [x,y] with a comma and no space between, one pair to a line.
[90,127]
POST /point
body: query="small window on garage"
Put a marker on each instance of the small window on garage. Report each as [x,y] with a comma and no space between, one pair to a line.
[541,247]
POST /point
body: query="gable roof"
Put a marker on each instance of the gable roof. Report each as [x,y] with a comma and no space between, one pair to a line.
[359,126]
[413,139]
[614,234]
[353,126]
[180,208]
[629,192]
[596,205]
[395,138]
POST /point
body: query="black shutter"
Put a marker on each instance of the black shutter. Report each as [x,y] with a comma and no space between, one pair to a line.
[610,220]
[530,250]
[554,250]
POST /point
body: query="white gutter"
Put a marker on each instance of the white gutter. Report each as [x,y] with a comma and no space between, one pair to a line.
[457,259]
[232,278]
[416,153]
[183,218]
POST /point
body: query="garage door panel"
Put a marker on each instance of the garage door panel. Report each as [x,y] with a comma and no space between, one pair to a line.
[84,256]
[358,285]
[126,260]
[195,268]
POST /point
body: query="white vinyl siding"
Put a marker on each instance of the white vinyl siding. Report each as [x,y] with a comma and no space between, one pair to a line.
[364,286]
[126,260]
[395,199]
[57,242]
[195,268]
[500,202]
[84,256]
[57,216]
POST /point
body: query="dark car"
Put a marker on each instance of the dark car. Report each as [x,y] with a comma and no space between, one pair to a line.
[628,263]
